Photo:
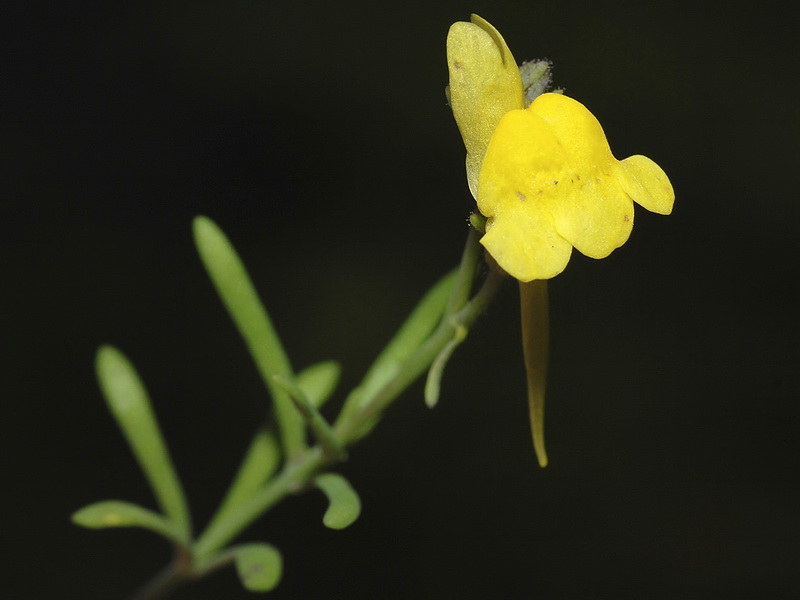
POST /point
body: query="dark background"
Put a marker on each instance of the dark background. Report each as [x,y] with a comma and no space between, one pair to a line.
[316,134]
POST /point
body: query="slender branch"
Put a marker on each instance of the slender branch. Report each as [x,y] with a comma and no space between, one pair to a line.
[171,577]
[291,479]
[316,422]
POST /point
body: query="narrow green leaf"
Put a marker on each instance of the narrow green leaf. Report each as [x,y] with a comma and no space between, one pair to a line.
[259,566]
[434,381]
[465,274]
[354,423]
[322,431]
[239,296]
[129,403]
[318,381]
[117,513]
[458,299]
[412,334]
[259,464]
[344,503]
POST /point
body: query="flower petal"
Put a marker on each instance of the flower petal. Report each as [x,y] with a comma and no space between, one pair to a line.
[514,193]
[549,179]
[556,154]
[485,83]
[575,128]
[526,245]
[594,214]
[646,183]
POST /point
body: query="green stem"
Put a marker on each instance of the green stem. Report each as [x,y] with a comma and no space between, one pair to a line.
[316,422]
[173,575]
[466,273]
[291,479]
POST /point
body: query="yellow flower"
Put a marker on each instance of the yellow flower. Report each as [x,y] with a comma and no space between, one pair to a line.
[546,180]
[550,183]
[544,175]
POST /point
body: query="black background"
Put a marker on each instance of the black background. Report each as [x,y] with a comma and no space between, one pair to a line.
[316,134]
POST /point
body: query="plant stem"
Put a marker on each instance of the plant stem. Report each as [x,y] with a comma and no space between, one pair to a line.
[291,479]
[173,575]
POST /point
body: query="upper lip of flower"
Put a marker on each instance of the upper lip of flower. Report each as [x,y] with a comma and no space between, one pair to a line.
[485,83]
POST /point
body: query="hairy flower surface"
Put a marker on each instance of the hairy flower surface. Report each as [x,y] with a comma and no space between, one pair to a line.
[544,176]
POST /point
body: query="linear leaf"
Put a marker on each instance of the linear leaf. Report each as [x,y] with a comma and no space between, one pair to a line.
[319,381]
[130,405]
[322,431]
[412,334]
[117,513]
[434,381]
[238,294]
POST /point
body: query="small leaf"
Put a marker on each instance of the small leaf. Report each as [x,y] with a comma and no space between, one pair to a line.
[433,383]
[318,381]
[238,294]
[116,513]
[259,566]
[322,431]
[127,399]
[427,330]
[416,329]
[411,335]
[458,299]
[345,505]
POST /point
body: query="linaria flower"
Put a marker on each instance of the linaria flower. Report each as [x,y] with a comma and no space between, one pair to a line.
[544,176]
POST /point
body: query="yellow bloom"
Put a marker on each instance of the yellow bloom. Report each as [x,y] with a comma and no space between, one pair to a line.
[550,183]
[544,176]
[546,180]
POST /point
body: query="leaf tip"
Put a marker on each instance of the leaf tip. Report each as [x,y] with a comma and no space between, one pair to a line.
[345,505]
